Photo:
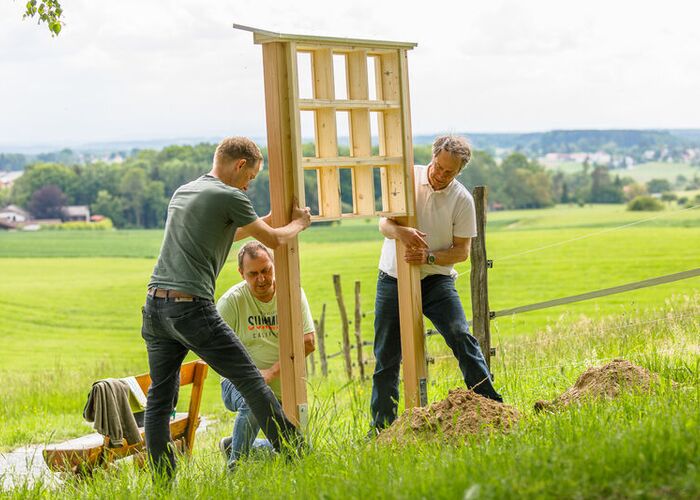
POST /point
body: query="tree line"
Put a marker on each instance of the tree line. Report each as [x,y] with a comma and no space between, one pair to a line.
[135,192]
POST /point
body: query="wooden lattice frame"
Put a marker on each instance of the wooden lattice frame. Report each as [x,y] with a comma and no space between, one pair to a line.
[287,167]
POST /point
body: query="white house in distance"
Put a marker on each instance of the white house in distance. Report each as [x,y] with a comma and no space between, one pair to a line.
[14,214]
[76,213]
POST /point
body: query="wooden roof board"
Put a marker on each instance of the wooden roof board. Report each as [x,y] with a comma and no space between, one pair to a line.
[263,36]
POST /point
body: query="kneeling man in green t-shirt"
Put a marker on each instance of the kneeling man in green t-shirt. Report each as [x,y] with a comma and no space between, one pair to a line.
[250,309]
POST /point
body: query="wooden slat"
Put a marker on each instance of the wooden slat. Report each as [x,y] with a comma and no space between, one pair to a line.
[92,451]
[200,375]
[187,373]
[407,135]
[276,65]
[347,105]
[360,134]
[391,137]
[347,162]
[326,134]
[295,124]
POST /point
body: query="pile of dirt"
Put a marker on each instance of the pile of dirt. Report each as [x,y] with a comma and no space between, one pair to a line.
[605,381]
[462,413]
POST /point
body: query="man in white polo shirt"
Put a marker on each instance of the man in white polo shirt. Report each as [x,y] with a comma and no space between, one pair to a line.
[446,225]
[250,309]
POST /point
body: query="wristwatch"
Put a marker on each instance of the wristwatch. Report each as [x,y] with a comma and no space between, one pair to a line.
[431,258]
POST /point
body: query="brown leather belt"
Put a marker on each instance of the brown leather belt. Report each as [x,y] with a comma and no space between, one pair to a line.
[162,293]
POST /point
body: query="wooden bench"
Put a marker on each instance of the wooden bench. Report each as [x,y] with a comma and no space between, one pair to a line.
[83,454]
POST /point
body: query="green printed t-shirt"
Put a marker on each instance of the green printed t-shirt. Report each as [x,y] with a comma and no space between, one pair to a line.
[203,216]
[255,323]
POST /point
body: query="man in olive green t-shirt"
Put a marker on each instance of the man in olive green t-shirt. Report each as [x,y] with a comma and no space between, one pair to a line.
[204,218]
[250,308]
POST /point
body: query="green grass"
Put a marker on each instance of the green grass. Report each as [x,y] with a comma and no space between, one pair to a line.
[71,314]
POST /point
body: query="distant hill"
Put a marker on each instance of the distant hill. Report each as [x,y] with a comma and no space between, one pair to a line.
[569,141]
[633,143]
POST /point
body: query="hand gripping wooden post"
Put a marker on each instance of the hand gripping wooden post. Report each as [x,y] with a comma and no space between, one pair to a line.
[394,166]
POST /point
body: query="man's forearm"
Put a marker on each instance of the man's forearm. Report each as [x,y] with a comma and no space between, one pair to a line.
[450,256]
[389,228]
[286,233]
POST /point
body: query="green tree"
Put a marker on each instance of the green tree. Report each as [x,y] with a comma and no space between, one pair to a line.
[155,205]
[645,203]
[478,171]
[46,11]
[44,174]
[5,196]
[635,189]
[603,189]
[47,203]
[658,185]
[109,206]
[133,191]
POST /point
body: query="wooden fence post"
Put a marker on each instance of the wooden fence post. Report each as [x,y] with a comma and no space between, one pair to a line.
[358,331]
[344,321]
[479,276]
[321,336]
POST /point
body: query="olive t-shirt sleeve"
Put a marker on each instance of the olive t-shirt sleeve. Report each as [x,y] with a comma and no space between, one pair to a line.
[242,212]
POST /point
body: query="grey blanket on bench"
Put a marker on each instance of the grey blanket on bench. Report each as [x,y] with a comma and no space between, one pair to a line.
[108,407]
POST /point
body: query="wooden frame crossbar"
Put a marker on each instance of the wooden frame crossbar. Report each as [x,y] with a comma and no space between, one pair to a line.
[382,176]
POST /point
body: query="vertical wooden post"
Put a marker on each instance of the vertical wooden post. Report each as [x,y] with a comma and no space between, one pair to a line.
[409,287]
[479,276]
[344,321]
[321,337]
[358,331]
[279,64]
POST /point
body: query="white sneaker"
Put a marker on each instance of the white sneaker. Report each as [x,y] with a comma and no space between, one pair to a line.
[225,447]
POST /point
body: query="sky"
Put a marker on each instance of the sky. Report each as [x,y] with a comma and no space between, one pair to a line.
[133,70]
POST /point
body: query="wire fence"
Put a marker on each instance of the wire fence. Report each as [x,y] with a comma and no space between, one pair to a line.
[565,300]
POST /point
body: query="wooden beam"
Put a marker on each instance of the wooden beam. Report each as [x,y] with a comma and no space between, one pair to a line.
[391,137]
[279,96]
[347,162]
[360,134]
[347,105]
[326,133]
[481,322]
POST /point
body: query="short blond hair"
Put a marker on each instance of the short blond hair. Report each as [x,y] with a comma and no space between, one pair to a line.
[457,146]
[237,148]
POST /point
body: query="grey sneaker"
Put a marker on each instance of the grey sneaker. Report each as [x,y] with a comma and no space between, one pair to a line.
[225,447]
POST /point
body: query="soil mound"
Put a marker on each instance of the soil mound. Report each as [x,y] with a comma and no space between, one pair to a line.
[605,381]
[462,413]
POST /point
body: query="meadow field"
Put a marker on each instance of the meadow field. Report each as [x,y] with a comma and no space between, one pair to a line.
[642,172]
[71,314]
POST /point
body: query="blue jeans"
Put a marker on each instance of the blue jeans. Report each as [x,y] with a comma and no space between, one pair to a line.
[245,428]
[441,304]
[171,329]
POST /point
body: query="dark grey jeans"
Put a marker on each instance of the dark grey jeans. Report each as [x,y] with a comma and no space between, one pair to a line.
[171,329]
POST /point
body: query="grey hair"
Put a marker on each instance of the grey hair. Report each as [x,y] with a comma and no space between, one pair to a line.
[457,146]
[251,249]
